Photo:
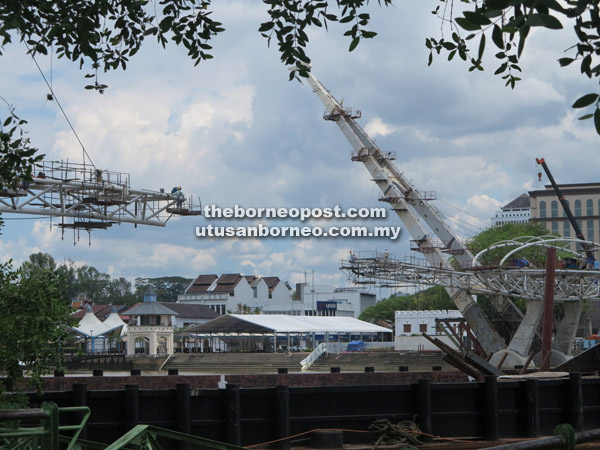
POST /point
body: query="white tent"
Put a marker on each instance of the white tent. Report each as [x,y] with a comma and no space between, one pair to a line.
[114,321]
[280,323]
[91,326]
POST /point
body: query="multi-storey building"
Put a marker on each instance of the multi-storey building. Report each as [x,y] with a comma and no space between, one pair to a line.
[584,202]
[517,211]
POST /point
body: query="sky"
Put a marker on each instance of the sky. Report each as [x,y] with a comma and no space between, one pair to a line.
[235,131]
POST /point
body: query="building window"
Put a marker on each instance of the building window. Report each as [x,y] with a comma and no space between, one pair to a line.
[543,209]
[566,229]
[590,230]
[578,208]
[589,207]
[407,327]
[564,210]
[554,227]
[554,208]
[422,328]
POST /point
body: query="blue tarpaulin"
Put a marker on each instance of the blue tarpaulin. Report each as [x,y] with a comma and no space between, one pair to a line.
[356,346]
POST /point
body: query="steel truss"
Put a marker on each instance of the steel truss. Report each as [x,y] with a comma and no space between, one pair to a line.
[91,198]
[570,285]
[444,251]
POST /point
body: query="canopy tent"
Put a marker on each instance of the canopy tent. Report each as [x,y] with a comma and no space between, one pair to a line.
[280,324]
[114,321]
[91,326]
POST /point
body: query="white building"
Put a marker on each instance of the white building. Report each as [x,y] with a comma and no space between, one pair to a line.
[517,211]
[410,325]
[240,294]
[345,302]
[235,293]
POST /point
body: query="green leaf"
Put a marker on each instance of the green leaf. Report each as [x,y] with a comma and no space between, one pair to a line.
[467,25]
[354,43]
[501,69]
[586,116]
[497,37]
[565,61]
[523,32]
[266,26]
[597,120]
[544,20]
[481,47]
[586,100]
[477,18]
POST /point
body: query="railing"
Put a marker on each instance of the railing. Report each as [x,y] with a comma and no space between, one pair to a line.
[165,361]
[323,347]
[374,345]
[337,347]
[148,437]
[45,436]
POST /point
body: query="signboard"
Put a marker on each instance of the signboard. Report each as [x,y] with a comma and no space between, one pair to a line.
[326,306]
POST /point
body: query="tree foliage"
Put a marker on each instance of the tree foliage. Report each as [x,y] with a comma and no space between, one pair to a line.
[434,298]
[35,311]
[508,23]
[17,158]
[509,231]
[167,288]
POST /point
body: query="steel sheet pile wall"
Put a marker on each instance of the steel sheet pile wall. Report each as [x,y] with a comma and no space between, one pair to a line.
[245,416]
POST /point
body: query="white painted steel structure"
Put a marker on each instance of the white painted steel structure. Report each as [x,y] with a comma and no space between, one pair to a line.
[437,243]
[90,198]
[421,219]
[570,285]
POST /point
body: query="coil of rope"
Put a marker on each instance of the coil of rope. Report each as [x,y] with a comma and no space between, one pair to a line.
[403,433]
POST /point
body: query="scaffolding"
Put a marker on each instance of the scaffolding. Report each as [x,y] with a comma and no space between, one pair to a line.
[86,198]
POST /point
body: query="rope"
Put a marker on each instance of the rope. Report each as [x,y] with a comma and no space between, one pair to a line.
[404,433]
[302,434]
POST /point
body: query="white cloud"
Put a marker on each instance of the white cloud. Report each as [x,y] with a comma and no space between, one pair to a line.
[376,127]
[235,131]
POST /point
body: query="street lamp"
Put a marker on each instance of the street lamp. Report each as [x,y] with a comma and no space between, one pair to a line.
[92,334]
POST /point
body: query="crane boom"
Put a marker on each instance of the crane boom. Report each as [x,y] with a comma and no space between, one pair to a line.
[587,248]
[414,212]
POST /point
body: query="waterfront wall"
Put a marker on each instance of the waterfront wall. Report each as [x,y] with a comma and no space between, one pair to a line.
[250,381]
[251,415]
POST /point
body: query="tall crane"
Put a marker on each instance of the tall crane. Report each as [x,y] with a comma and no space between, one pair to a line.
[420,218]
[586,247]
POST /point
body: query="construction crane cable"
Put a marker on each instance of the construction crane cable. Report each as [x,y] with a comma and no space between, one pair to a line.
[55,98]
[462,211]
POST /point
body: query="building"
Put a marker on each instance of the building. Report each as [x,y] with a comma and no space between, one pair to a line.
[517,211]
[235,293]
[410,325]
[584,202]
[238,294]
[345,302]
[150,329]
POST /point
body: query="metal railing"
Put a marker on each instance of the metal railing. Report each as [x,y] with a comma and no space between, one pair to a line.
[17,432]
[337,347]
